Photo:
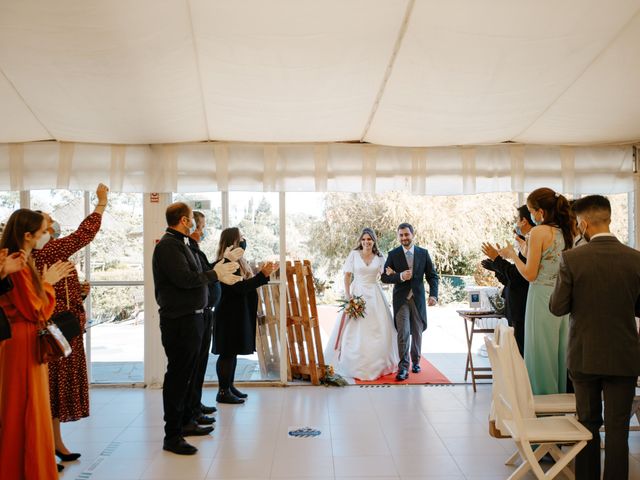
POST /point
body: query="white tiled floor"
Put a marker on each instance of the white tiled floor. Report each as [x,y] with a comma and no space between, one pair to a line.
[408,432]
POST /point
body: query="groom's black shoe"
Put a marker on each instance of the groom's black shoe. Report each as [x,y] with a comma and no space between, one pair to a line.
[403,374]
[416,369]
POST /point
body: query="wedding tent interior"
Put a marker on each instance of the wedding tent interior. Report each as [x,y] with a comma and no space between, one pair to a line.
[181,97]
[362,96]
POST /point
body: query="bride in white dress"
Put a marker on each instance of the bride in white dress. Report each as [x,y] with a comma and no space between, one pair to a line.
[364,348]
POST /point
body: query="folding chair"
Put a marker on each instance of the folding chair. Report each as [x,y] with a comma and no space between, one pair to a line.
[543,405]
[515,415]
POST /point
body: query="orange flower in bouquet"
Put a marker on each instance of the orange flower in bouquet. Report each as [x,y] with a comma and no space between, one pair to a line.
[354,308]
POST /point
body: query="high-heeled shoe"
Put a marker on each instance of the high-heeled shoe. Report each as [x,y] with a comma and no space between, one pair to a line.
[67,457]
[60,467]
[238,393]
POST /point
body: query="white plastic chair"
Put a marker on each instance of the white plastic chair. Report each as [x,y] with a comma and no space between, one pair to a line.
[543,405]
[515,414]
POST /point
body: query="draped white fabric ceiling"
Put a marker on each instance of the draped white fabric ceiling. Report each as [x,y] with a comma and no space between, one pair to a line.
[399,73]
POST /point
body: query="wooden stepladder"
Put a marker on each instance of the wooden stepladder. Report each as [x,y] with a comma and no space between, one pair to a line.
[267,337]
[303,331]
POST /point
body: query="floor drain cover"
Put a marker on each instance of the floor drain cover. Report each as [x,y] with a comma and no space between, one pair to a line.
[305,432]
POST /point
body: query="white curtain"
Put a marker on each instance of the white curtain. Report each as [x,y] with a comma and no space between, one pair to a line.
[336,167]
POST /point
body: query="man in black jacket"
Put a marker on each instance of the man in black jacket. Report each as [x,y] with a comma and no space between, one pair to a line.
[199,410]
[181,293]
[516,287]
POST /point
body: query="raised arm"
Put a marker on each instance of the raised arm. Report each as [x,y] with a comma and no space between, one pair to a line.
[528,270]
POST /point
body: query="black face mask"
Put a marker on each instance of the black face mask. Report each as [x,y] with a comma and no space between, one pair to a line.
[243,244]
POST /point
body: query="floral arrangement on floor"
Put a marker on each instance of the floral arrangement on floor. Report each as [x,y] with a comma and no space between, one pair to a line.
[331,378]
[355,307]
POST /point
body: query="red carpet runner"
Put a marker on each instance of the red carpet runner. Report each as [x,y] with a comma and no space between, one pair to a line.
[428,375]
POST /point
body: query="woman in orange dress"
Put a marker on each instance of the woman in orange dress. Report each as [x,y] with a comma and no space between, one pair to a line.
[26,436]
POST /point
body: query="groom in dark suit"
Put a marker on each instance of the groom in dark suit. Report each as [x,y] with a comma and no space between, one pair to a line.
[409,306]
[599,286]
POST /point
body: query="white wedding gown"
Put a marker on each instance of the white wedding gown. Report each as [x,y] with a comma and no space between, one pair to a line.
[368,347]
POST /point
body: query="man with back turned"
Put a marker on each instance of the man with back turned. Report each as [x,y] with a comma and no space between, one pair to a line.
[599,286]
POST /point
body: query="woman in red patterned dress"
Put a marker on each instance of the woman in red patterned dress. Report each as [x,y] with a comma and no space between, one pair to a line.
[68,382]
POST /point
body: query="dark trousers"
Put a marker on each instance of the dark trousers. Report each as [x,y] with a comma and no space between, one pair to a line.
[618,393]
[197,379]
[409,326]
[181,339]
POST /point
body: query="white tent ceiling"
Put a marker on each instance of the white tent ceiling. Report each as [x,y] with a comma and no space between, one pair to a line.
[389,72]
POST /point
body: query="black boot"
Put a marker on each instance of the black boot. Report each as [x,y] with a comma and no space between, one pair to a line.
[225,396]
[237,392]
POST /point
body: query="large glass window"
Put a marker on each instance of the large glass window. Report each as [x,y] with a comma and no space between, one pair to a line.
[324,228]
[9,202]
[257,216]
[117,334]
[117,295]
[117,251]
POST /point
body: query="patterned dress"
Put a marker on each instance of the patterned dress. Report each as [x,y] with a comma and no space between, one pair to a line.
[68,382]
[546,336]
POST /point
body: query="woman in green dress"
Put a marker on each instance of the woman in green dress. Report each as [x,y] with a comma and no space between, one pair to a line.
[545,340]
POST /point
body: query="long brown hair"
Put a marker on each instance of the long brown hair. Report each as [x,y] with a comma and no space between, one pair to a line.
[556,212]
[372,234]
[231,237]
[20,222]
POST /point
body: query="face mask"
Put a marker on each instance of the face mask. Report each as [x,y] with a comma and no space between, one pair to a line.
[192,226]
[55,226]
[42,241]
[243,244]
[537,222]
[583,233]
[203,235]
[518,230]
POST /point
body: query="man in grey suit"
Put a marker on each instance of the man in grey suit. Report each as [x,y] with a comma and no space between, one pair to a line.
[599,285]
[413,265]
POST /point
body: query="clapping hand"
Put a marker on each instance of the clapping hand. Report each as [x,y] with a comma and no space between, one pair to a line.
[11,263]
[57,272]
[507,252]
[269,267]
[233,254]
[488,264]
[489,250]
[225,272]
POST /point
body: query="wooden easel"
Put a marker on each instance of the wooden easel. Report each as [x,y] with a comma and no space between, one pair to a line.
[267,337]
[303,331]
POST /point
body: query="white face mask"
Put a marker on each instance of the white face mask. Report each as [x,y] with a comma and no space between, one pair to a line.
[42,241]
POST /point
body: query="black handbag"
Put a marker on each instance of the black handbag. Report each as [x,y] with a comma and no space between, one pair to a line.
[5,327]
[66,321]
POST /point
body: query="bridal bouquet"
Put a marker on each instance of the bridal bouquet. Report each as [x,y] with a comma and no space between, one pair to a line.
[354,308]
